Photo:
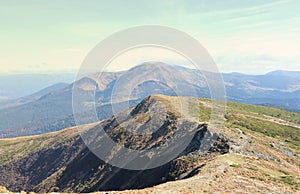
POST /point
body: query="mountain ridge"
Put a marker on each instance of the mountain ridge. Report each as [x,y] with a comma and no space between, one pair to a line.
[55,108]
[257,144]
[32,97]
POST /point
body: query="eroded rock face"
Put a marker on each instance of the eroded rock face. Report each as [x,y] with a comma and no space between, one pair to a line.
[27,172]
[69,166]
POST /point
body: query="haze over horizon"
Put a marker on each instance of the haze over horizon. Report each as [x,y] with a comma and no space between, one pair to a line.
[54,37]
[72,74]
[174,96]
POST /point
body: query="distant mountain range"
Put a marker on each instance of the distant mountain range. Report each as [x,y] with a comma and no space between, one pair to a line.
[278,89]
[20,85]
[53,111]
[32,97]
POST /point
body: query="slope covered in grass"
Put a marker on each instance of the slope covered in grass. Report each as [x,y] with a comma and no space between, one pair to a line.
[262,154]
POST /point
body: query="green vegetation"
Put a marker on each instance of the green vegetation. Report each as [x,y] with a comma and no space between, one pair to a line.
[288,180]
[253,168]
[271,122]
[262,110]
[235,165]
[203,112]
[285,133]
[15,148]
[172,176]
[284,172]
[267,121]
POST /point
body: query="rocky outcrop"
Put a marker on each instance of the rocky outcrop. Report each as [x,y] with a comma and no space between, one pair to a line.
[69,166]
[243,158]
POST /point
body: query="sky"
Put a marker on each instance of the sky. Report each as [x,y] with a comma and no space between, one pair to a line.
[55,36]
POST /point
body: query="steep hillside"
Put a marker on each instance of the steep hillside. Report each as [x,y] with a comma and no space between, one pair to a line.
[257,151]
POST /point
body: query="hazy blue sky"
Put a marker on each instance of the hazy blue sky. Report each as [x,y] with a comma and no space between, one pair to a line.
[54,36]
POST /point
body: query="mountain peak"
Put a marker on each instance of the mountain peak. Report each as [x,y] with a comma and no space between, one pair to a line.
[70,163]
[151,65]
[284,73]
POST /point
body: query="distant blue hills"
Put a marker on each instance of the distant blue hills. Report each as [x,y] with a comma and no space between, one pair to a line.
[51,109]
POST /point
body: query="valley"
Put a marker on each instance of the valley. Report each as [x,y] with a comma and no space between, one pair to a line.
[46,112]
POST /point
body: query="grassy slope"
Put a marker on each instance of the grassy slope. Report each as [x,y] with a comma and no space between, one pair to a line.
[260,164]
[267,159]
[16,148]
[280,124]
